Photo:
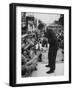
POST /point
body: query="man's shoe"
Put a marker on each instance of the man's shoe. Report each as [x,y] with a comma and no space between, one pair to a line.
[47,65]
[35,69]
[51,71]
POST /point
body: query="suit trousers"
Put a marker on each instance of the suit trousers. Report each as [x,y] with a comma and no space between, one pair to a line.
[52,57]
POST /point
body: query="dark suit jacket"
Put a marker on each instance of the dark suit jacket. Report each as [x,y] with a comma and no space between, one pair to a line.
[52,39]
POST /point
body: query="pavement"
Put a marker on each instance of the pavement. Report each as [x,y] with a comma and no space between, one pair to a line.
[41,69]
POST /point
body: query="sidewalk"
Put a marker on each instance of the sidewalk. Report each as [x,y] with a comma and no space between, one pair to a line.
[41,70]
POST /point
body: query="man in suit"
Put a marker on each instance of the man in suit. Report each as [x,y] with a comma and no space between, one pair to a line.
[52,40]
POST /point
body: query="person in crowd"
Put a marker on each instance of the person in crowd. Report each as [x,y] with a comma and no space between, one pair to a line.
[52,40]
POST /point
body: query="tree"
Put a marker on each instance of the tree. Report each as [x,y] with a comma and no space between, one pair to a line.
[61,20]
